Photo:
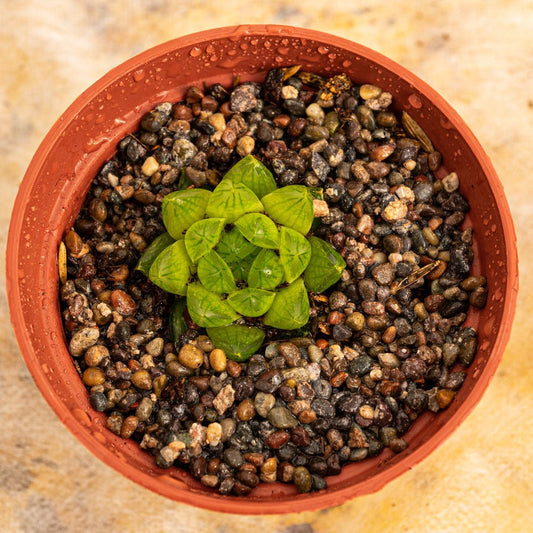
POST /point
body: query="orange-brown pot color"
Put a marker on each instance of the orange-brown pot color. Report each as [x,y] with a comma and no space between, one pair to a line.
[86,135]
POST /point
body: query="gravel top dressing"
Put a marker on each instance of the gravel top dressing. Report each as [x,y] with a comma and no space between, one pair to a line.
[268,281]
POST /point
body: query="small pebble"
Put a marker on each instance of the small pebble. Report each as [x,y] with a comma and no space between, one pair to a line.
[281,417]
[142,380]
[191,356]
[93,376]
[217,360]
[302,479]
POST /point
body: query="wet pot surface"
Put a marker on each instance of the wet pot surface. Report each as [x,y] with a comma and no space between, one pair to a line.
[87,134]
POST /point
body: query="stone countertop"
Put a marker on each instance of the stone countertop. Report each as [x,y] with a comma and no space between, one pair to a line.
[479,56]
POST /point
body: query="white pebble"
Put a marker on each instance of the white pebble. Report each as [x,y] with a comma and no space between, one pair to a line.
[150,166]
[396,210]
[320,208]
[288,91]
[451,182]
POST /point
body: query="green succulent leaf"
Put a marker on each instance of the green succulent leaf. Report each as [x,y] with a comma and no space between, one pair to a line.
[266,271]
[251,302]
[215,274]
[252,173]
[171,269]
[231,200]
[233,247]
[325,267]
[202,236]
[242,268]
[152,251]
[181,209]
[294,253]
[290,309]
[291,206]
[259,230]
[238,342]
[176,322]
[207,309]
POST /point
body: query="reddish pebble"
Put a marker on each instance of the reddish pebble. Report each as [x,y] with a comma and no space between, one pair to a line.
[277,439]
[322,344]
[336,317]
[233,368]
[122,302]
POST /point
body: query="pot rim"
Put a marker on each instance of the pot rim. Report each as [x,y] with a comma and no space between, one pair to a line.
[236,505]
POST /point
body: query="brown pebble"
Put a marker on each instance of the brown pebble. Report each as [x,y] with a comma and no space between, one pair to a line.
[291,353]
[246,410]
[142,379]
[191,356]
[307,416]
[478,297]
[249,478]
[398,445]
[473,282]
[381,153]
[445,397]
[93,376]
[433,302]
[254,458]
[95,355]
[233,368]
[269,470]
[389,335]
[218,360]
[438,271]
[434,160]
[205,343]
[129,426]
[144,196]
[74,243]
[119,274]
[302,479]
[98,210]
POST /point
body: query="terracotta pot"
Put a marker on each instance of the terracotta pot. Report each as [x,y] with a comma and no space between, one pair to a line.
[86,135]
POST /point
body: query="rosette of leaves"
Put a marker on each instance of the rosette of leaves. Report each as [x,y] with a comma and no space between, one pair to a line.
[240,251]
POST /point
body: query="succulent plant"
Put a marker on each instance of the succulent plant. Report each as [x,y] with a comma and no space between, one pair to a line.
[240,251]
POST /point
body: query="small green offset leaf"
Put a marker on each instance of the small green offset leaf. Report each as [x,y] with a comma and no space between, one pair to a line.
[233,247]
[266,271]
[150,254]
[325,267]
[215,274]
[171,269]
[259,230]
[294,253]
[252,173]
[290,309]
[238,342]
[231,200]
[176,322]
[291,206]
[207,309]
[184,181]
[202,236]
[251,302]
[181,209]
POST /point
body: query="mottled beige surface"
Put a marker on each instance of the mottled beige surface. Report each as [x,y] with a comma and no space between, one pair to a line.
[479,55]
